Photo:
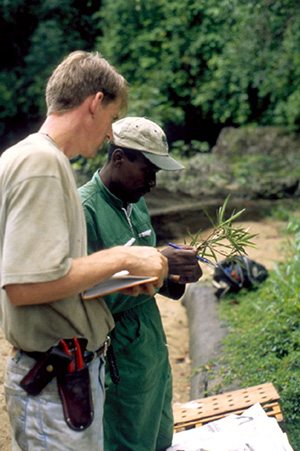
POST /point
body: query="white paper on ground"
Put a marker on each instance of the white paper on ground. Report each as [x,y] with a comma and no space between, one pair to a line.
[251,431]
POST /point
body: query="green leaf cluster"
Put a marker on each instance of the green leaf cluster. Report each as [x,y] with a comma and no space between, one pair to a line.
[226,239]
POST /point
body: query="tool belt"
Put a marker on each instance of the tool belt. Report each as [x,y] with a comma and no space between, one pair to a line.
[67,363]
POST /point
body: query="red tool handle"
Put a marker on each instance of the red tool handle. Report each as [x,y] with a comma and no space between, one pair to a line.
[67,351]
[78,354]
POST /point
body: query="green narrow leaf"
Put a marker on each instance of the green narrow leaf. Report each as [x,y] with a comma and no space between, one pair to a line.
[226,239]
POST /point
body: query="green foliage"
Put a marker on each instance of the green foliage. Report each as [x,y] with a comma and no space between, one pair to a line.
[285,211]
[256,76]
[36,35]
[226,239]
[230,62]
[191,63]
[263,344]
[150,101]
[187,150]
[162,46]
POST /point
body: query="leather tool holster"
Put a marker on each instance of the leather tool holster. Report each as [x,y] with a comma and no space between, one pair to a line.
[53,363]
[76,396]
[73,386]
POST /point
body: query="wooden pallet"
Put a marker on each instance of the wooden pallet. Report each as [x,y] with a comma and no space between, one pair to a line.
[200,411]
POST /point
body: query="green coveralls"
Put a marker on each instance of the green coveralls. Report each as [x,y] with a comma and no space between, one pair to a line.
[138,412]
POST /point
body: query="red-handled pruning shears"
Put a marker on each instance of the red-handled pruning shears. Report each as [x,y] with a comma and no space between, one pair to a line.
[77,352]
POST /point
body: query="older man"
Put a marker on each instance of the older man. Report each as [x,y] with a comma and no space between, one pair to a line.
[138,411]
[58,337]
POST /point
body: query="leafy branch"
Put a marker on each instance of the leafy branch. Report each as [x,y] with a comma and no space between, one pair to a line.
[225,239]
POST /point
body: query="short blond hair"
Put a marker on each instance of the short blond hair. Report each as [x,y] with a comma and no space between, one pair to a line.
[80,75]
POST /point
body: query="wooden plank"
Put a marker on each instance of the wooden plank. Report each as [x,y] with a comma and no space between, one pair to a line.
[200,411]
[273,411]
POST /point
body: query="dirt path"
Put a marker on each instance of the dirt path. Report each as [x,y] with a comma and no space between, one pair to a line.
[175,323]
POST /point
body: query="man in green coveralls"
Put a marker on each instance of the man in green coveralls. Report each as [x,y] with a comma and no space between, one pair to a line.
[138,410]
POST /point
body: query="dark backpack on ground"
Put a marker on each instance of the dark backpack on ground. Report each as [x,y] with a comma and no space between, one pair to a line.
[232,276]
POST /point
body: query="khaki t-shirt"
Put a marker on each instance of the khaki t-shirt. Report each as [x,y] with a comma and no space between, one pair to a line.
[42,228]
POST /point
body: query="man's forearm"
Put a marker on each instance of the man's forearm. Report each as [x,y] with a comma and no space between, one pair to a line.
[88,271]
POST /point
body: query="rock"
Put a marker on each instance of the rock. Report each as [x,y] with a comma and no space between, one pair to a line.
[256,166]
[246,162]
[206,331]
[264,160]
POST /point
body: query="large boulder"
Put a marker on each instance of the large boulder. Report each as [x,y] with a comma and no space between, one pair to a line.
[264,160]
[256,166]
[248,162]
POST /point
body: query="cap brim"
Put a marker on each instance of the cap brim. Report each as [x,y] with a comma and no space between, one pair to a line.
[164,162]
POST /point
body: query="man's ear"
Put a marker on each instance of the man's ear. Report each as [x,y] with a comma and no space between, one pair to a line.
[118,157]
[96,102]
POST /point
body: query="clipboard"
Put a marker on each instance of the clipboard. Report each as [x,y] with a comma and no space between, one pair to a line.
[117,282]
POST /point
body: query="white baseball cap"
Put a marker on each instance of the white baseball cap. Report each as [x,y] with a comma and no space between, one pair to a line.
[139,133]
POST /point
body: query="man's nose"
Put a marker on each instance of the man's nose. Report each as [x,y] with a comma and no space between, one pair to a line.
[109,135]
[152,181]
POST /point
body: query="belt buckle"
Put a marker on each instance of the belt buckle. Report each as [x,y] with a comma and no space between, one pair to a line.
[14,352]
[106,345]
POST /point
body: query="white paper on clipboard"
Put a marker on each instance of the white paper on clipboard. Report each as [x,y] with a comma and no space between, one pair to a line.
[117,282]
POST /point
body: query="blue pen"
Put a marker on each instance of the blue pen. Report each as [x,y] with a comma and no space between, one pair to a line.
[199,258]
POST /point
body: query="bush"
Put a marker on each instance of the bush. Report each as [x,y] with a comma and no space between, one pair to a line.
[263,343]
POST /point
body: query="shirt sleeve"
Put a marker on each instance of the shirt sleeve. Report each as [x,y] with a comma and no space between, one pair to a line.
[171,289]
[93,240]
[36,239]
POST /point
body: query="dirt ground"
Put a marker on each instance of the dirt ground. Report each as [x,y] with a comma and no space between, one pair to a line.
[175,323]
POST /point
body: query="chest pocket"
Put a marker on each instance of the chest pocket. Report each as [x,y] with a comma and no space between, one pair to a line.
[145,235]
